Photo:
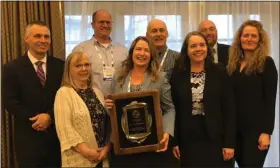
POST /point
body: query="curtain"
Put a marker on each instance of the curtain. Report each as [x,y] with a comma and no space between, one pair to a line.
[14,18]
[130,20]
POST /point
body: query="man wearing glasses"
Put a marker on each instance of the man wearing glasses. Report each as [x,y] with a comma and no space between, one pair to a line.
[105,55]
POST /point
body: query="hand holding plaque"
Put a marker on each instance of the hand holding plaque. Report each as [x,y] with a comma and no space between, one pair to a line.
[136,122]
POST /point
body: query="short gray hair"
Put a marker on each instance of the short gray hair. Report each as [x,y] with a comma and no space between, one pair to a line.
[36,22]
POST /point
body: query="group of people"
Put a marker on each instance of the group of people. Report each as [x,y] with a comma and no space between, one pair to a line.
[217,101]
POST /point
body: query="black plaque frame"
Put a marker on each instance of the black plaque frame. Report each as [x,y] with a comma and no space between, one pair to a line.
[122,146]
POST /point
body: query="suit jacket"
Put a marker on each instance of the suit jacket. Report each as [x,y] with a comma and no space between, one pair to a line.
[166,103]
[25,97]
[255,96]
[223,53]
[218,105]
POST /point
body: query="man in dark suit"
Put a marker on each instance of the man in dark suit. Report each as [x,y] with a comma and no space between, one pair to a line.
[30,83]
[220,51]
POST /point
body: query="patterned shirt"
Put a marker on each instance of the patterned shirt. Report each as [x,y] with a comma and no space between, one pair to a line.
[197,84]
[97,114]
[135,88]
[169,61]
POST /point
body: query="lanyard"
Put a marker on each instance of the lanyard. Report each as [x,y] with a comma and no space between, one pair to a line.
[163,59]
[128,87]
[100,56]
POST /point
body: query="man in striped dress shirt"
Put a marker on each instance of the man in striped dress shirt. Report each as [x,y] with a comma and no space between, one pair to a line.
[158,33]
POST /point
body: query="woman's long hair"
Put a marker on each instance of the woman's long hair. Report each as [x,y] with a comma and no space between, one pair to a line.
[184,62]
[256,63]
[127,64]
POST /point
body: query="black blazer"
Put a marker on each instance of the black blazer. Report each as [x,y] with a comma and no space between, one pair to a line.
[223,53]
[25,97]
[255,97]
[218,105]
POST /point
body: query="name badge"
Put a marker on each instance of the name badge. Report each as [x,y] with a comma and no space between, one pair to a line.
[108,73]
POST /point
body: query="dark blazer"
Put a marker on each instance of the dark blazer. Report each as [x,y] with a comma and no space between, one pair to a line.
[25,97]
[218,105]
[223,53]
[255,97]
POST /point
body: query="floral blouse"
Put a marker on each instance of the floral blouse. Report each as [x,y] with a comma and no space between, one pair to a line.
[135,88]
[197,84]
[98,115]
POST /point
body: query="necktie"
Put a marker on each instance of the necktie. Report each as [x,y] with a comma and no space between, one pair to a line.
[215,56]
[214,51]
[40,72]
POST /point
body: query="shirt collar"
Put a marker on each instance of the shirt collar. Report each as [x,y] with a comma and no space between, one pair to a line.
[96,42]
[215,47]
[34,60]
[160,52]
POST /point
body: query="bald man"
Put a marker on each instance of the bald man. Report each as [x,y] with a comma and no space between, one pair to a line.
[158,33]
[166,57]
[105,55]
[221,51]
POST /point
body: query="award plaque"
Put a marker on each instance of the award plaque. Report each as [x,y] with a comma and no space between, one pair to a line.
[136,122]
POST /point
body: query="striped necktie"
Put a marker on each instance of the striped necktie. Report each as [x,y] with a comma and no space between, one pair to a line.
[40,72]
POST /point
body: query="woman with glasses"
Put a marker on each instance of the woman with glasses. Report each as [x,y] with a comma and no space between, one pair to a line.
[80,117]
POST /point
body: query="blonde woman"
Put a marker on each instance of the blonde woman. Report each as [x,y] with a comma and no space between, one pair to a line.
[254,77]
[80,117]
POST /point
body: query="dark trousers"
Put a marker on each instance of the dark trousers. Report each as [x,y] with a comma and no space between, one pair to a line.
[204,154]
[53,161]
[42,150]
[247,152]
[199,150]
[50,159]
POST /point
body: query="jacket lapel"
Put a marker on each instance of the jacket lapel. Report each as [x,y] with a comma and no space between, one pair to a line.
[185,90]
[50,70]
[29,69]
[206,86]
[187,80]
[125,86]
[222,54]
[146,82]
[207,92]
[145,86]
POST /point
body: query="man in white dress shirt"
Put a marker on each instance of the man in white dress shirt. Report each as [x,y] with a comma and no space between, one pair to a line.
[220,51]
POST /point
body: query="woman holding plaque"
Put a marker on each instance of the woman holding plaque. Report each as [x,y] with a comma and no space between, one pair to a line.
[80,117]
[202,95]
[254,77]
[139,73]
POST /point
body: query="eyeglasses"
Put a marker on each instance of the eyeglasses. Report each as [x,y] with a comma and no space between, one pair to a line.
[80,66]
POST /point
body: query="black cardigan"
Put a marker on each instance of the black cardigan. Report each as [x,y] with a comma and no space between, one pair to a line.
[255,96]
